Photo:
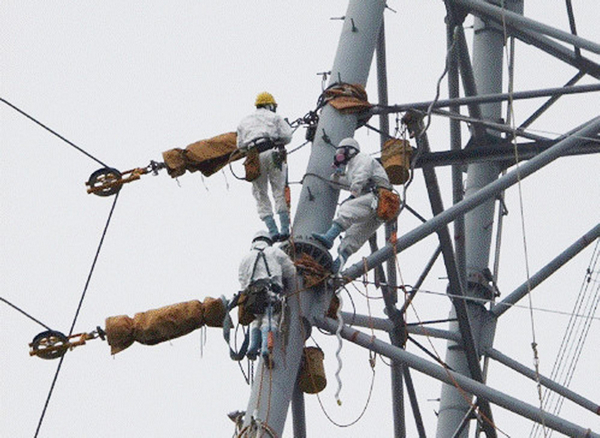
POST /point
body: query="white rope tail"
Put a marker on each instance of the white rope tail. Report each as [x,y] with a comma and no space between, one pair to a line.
[337,352]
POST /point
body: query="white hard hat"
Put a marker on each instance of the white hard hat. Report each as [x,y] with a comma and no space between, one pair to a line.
[349,142]
[263,235]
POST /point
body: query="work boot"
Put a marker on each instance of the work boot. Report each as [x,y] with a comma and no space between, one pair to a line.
[272,228]
[255,339]
[338,264]
[328,238]
[284,219]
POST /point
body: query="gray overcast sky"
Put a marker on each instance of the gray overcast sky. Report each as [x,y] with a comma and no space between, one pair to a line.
[128,80]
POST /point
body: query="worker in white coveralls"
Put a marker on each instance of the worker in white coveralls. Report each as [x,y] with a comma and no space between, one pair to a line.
[264,273]
[269,133]
[363,175]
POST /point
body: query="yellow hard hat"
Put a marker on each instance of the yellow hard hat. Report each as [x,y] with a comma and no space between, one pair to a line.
[265,98]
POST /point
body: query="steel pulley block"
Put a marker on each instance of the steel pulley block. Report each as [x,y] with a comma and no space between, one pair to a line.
[105,182]
[50,344]
[108,181]
[53,344]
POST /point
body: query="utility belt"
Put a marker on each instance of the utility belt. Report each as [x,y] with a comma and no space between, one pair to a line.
[255,147]
[255,299]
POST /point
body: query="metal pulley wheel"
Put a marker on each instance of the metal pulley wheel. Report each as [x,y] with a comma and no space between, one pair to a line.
[105,182]
[50,344]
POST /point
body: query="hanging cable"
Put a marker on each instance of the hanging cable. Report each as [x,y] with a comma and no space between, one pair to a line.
[24,313]
[53,132]
[58,368]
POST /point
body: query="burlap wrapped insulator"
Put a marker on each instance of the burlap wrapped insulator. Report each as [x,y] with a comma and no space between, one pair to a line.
[214,312]
[119,332]
[388,204]
[207,156]
[175,161]
[312,379]
[168,322]
[395,157]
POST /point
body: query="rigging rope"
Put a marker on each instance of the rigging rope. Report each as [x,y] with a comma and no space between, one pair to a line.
[58,368]
[53,132]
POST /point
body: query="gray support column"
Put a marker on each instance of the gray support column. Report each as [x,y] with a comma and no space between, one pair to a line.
[392,295]
[488,54]
[272,389]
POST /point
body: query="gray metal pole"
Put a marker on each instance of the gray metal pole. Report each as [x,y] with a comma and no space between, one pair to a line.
[488,98]
[546,271]
[298,412]
[272,389]
[488,54]
[550,384]
[452,378]
[512,19]
[395,336]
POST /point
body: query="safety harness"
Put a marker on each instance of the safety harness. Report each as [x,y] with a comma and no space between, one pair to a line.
[253,300]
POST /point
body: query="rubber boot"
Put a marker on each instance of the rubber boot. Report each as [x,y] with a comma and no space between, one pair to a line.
[328,238]
[272,228]
[284,220]
[339,263]
[255,338]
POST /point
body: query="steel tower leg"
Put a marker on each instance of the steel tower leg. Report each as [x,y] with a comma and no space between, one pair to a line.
[273,388]
[488,47]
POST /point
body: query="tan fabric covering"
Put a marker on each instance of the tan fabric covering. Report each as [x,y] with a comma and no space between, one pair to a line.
[388,205]
[347,98]
[214,312]
[207,156]
[119,332]
[159,325]
[395,157]
[312,377]
[168,322]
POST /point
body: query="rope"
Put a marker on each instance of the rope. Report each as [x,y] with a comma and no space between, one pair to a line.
[511,117]
[24,313]
[76,314]
[337,352]
[53,132]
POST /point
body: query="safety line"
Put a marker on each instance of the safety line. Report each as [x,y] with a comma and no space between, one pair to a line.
[58,368]
[53,132]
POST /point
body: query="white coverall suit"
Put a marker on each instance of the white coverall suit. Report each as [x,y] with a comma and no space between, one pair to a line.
[266,124]
[283,273]
[358,216]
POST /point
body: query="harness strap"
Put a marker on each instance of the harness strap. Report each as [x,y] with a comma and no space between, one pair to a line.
[260,253]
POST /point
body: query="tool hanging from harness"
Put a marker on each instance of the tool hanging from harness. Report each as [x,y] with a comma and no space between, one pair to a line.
[252,301]
[255,148]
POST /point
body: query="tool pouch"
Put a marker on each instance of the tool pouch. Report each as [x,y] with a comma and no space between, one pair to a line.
[388,204]
[252,165]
